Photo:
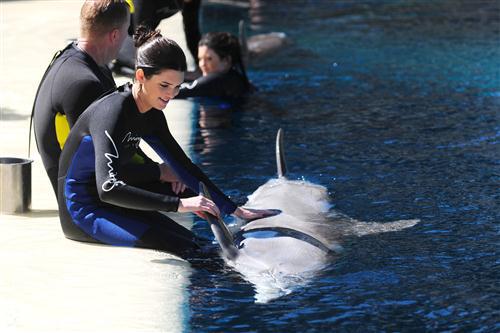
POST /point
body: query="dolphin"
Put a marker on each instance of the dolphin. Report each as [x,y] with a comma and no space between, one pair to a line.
[283,252]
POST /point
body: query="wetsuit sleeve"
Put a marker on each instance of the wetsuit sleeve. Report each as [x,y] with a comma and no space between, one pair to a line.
[107,134]
[214,85]
[169,150]
[79,95]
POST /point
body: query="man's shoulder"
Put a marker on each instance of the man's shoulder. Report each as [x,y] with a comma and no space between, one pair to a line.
[75,64]
[76,68]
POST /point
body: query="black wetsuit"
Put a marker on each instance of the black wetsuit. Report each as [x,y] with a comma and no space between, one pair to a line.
[230,85]
[105,198]
[70,85]
[150,13]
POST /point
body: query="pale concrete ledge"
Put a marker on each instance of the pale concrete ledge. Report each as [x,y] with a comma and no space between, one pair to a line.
[49,283]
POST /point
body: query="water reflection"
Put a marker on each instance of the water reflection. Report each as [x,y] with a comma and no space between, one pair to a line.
[396,105]
[212,117]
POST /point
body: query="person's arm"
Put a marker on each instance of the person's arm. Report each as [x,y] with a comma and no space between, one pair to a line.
[107,134]
[169,150]
[214,85]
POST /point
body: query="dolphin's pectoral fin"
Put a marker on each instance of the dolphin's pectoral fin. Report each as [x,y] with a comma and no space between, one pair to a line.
[220,230]
[264,213]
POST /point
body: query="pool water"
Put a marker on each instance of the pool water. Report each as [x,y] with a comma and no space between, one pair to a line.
[394,107]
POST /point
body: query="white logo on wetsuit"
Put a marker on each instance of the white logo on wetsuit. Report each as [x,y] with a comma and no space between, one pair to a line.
[109,184]
[135,140]
[189,86]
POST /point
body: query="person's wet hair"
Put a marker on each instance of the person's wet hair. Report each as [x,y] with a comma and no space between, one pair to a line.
[225,45]
[102,16]
[156,53]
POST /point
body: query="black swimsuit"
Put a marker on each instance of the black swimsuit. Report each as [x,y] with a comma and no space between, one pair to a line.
[70,85]
[106,197]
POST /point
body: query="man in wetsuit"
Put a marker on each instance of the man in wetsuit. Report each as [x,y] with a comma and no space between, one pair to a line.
[77,76]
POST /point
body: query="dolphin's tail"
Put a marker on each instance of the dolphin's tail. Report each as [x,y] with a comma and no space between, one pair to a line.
[280,155]
[220,231]
[359,228]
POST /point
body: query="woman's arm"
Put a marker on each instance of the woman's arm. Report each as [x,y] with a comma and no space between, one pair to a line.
[169,150]
[228,84]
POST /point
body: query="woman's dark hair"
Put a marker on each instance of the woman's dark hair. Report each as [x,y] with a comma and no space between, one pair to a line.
[226,45]
[156,53]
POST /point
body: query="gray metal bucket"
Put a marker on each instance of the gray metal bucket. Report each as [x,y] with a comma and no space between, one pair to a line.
[15,185]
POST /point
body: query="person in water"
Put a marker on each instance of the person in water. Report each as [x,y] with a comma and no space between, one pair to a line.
[107,197]
[76,77]
[223,71]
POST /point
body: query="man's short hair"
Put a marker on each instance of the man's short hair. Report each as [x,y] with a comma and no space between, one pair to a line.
[98,17]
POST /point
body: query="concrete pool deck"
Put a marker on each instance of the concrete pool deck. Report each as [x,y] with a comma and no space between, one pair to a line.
[49,283]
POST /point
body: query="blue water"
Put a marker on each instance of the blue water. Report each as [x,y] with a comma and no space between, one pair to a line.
[394,107]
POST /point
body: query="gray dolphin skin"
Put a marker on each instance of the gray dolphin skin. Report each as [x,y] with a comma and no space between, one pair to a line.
[281,253]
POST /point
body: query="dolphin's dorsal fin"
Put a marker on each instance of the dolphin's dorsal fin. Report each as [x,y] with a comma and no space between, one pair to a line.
[280,155]
[242,34]
[219,229]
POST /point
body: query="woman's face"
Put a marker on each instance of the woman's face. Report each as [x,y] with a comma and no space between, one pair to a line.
[210,62]
[160,88]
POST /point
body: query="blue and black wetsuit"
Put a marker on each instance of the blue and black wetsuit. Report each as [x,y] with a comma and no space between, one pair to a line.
[107,197]
[230,85]
[70,84]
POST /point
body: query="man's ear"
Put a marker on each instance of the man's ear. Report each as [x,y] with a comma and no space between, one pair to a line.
[114,35]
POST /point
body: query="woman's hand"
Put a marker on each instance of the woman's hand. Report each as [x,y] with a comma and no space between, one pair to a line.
[253,214]
[178,187]
[198,204]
